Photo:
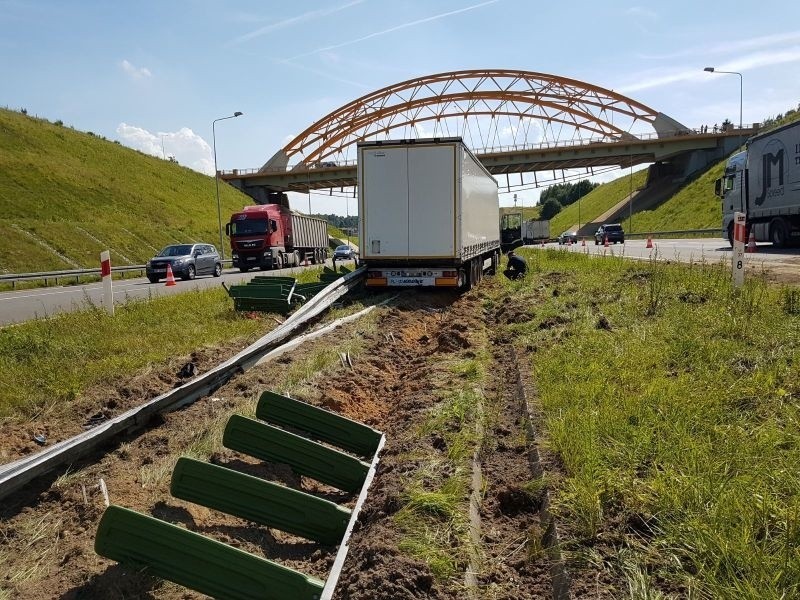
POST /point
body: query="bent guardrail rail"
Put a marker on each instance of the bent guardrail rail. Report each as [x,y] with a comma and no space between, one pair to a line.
[16,474]
[211,567]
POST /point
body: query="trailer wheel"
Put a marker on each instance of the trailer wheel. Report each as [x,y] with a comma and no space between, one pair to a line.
[778,234]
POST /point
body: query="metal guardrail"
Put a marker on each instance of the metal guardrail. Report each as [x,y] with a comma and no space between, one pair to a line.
[16,474]
[13,278]
[663,234]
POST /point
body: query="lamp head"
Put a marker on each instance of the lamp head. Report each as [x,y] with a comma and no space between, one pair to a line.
[238,114]
[709,69]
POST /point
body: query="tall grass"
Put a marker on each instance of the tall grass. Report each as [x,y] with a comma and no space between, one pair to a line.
[680,412]
[49,362]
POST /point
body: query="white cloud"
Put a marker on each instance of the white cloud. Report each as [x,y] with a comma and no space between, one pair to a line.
[135,72]
[745,63]
[307,16]
[188,148]
[396,28]
[640,11]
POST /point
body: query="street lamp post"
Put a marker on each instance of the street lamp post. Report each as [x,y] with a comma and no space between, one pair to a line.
[741,86]
[216,176]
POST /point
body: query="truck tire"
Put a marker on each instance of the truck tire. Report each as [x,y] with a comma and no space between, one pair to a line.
[730,234]
[778,233]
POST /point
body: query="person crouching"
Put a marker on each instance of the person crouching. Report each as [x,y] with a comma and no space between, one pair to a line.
[516,266]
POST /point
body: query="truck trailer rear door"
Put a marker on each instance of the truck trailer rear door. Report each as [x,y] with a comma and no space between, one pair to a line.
[384,184]
[431,201]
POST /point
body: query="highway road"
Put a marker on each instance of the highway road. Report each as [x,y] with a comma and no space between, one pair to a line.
[15,307]
[780,264]
[24,305]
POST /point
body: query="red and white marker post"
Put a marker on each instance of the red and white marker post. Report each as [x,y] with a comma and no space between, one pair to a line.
[737,259]
[105,272]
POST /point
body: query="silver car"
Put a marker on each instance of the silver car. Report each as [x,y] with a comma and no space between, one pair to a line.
[186,260]
[567,237]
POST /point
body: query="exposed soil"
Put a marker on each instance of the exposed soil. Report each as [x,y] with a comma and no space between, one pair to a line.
[47,531]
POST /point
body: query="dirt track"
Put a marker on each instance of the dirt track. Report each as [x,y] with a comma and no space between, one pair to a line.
[400,373]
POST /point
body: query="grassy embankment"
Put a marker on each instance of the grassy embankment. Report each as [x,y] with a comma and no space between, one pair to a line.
[672,402]
[67,195]
[596,202]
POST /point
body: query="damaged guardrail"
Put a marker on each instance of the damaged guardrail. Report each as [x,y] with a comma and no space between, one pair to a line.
[211,567]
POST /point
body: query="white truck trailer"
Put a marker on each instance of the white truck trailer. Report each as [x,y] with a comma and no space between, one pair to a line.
[430,214]
[763,182]
[535,231]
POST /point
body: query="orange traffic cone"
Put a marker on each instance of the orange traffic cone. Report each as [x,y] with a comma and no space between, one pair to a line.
[170,276]
[649,242]
[605,241]
[751,243]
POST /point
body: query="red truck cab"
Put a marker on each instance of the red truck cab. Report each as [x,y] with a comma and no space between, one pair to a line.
[259,236]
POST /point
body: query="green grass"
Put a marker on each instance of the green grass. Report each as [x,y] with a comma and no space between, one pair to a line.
[66,195]
[694,207]
[596,202]
[49,362]
[682,413]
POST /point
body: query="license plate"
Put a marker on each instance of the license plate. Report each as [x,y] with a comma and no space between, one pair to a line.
[411,281]
[252,257]
[159,270]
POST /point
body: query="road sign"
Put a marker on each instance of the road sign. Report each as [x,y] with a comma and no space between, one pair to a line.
[737,259]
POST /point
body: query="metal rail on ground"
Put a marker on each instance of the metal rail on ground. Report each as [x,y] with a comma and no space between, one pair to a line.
[330,450]
[15,475]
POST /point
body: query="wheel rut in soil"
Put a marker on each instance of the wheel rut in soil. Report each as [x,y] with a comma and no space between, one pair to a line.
[401,372]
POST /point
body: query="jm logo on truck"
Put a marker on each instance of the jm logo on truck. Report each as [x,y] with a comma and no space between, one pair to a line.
[768,160]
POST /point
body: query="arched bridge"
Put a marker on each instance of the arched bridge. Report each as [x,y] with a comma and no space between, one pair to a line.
[515,121]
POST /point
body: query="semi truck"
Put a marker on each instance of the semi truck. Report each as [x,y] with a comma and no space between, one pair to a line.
[515,232]
[763,182]
[270,236]
[430,214]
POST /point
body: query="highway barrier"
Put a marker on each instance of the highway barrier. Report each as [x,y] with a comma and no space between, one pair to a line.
[216,569]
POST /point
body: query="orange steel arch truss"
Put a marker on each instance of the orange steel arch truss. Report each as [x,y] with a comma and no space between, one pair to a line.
[490,109]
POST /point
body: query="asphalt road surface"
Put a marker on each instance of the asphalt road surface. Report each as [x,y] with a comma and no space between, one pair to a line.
[23,305]
[780,264]
[15,307]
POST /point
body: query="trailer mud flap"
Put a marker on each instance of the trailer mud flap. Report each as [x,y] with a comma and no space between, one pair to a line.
[216,569]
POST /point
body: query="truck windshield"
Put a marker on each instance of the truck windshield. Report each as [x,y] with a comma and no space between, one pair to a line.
[249,227]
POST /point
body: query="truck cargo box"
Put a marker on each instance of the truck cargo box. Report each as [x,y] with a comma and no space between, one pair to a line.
[425,202]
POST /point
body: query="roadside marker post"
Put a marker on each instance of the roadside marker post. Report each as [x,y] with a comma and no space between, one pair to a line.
[105,272]
[737,258]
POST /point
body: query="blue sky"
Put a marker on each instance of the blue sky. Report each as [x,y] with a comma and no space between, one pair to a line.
[148,73]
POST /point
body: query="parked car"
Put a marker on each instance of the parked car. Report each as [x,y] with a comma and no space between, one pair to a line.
[344,252]
[568,236]
[187,261]
[612,231]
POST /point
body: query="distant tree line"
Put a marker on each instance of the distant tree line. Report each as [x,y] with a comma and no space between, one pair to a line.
[340,221]
[557,196]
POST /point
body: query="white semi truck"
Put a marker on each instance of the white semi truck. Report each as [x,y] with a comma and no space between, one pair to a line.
[763,182]
[430,214]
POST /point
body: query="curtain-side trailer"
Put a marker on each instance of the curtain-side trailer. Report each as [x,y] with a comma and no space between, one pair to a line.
[430,213]
[763,182]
